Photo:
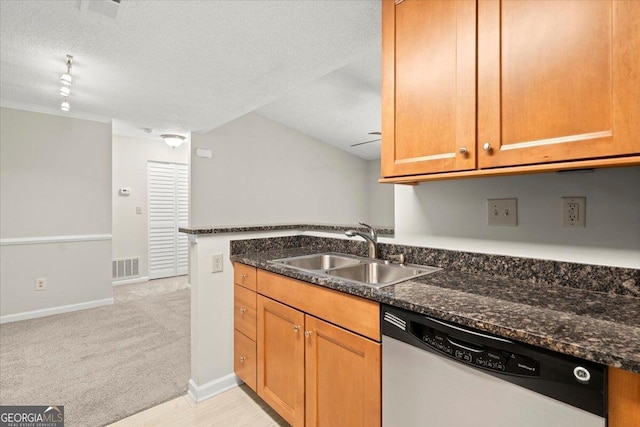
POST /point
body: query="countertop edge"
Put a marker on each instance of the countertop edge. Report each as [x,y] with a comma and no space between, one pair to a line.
[340,228]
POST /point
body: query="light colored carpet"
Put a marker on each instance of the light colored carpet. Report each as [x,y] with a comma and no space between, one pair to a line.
[102,364]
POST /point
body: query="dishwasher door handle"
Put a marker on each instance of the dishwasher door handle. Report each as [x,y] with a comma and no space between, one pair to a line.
[466,346]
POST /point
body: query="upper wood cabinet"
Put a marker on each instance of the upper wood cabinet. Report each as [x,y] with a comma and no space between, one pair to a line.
[557,80]
[558,84]
[428,86]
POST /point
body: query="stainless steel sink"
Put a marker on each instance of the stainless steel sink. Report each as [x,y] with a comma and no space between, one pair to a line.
[319,261]
[378,275]
[364,271]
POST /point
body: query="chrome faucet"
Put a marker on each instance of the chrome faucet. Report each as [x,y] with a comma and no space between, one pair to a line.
[371,237]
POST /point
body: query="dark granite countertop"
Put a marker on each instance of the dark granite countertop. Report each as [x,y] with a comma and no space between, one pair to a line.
[596,326]
[338,228]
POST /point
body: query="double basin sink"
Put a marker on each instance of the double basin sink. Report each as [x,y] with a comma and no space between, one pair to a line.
[365,271]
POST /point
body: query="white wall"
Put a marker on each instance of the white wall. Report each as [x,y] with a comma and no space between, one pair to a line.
[55,181]
[263,172]
[381,197]
[452,214]
[130,157]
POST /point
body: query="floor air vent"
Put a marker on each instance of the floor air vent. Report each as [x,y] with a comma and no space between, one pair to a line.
[126,267]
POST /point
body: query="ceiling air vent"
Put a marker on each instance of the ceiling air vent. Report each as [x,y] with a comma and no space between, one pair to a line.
[112,9]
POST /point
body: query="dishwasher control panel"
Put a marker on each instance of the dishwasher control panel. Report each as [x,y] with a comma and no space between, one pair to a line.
[482,356]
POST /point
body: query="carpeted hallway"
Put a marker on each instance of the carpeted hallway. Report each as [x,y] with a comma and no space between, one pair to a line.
[102,364]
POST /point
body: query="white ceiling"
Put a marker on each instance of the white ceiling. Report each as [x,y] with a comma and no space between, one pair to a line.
[185,65]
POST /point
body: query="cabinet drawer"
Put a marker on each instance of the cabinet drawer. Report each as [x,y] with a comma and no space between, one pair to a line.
[354,313]
[244,360]
[244,275]
[244,311]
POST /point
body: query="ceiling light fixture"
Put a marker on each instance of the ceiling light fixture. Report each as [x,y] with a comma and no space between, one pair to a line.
[65,89]
[65,104]
[173,140]
[66,78]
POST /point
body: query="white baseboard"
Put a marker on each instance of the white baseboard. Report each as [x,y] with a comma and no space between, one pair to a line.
[55,310]
[130,281]
[206,391]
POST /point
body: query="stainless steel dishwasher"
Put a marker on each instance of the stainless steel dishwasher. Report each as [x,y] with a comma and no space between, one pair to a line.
[438,374]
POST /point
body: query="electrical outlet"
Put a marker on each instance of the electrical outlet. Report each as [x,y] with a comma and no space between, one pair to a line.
[574,212]
[216,263]
[503,212]
[41,284]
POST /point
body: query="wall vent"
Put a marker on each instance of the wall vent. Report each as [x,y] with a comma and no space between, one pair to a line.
[125,267]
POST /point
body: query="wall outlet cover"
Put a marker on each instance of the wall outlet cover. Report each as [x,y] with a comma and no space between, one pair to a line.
[573,214]
[502,212]
[41,284]
[216,263]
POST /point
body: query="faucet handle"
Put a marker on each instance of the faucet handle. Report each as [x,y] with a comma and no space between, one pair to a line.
[400,259]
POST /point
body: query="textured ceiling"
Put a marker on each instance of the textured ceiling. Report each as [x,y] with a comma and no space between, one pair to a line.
[193,65]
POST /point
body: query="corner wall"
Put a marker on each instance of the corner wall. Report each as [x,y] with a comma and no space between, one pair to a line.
[55,213]
[381,197]
[130,158]
[452,215]
[262,172]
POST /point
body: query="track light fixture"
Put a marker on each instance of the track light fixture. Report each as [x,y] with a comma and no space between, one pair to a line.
[66,80]
[65,104]
[173,140]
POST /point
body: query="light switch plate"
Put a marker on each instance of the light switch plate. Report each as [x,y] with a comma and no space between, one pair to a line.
[502,212]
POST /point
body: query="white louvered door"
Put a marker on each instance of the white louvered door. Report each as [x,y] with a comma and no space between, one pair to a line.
[168,193]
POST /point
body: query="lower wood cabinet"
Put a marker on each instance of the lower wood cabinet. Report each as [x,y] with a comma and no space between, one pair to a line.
[281,359]
[244,321]
[624,398]
[244,361]
[342,377]
[312,372]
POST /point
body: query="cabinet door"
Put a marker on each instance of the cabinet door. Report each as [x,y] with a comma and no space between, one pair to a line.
[557,80]
[343,377]
[428,86]
[281,359]
[244,360]
[624,398]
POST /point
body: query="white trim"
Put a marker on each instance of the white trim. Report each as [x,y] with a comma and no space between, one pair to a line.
[200,393]
[559,140]
[427,158]
[53,239]
[55,310]
[130,281]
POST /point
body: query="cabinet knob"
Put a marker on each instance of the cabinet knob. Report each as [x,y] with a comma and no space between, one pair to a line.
[243,358]
[296,328]
[307,333]
[243,310]
[463,150]
[243,276]
[487,147]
